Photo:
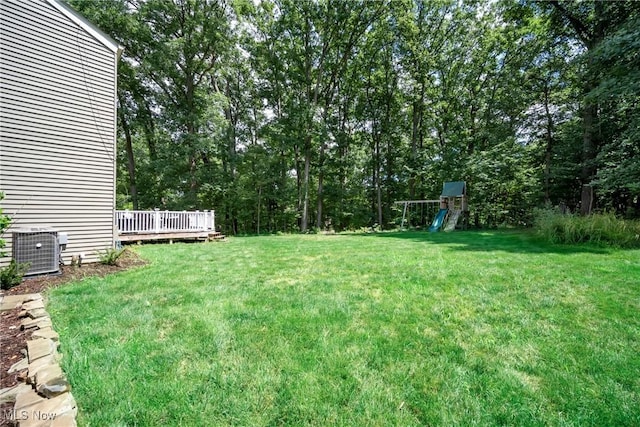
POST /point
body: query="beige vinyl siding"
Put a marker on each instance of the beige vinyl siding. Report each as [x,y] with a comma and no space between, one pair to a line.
[57,126]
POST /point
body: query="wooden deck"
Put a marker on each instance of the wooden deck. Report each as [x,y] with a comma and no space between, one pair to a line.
[202,236]
[140,226]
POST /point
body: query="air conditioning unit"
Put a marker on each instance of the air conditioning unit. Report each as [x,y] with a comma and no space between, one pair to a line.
[39,247]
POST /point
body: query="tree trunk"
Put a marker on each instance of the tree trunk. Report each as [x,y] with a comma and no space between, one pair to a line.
[388,179]
[320,188]
[146,118]
[229,158]
[591,38]
[376,176]
[589,153]
[379,200]
[259,202]
[191,135]
[548,147]
[417,137]
[299,189]
[586,199]
[589,143]
[131,164]
[305,185]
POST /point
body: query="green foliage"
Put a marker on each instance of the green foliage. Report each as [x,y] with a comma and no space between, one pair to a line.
[608,82]
[4,224]
[605,229]
[503,185]
[12,274]
[110,256]
[285,115]
[619,70]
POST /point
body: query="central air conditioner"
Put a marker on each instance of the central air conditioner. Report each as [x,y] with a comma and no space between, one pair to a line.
[39,247]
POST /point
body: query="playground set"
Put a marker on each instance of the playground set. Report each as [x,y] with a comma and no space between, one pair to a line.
[453,209]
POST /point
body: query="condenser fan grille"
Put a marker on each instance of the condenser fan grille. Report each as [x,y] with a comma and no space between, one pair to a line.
[39,249]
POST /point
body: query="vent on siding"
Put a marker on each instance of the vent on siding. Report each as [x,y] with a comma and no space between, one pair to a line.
[38,247]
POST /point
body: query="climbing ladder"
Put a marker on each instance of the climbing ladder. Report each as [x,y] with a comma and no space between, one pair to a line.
[454,215]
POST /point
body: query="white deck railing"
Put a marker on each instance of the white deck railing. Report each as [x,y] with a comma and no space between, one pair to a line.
[157,221]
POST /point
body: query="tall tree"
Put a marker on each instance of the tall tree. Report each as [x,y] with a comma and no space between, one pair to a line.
[618,66]
[591,23]
[286,114]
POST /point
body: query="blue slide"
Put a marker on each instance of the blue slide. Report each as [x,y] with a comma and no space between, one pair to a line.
[438,220]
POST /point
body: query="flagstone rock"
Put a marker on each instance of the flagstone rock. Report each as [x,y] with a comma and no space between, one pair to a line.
[39,323]
[46,333]
[39,364]
[19,366]
[54,388]
[45,399]
[32,305]
[44,412]
[40,348]
[9,394]
[65,420]
[36,313]
[27,399]
[29,323]
[43,322]
[65,403]
[50,381]
[11,302]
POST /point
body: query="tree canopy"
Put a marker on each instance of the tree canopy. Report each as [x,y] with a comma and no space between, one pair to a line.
[288,115]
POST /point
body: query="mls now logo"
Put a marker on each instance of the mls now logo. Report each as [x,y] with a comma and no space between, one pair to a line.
[13,415]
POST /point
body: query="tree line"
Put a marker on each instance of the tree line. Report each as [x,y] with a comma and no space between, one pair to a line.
[294,115]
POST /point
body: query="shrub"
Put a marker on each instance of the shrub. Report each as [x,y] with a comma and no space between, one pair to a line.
[110,256]
[12,274]
[4,224]
[604,228]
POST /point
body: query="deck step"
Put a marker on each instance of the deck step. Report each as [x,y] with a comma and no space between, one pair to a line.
[216,236]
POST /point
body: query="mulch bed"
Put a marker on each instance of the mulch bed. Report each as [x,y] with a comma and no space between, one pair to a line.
[13,340]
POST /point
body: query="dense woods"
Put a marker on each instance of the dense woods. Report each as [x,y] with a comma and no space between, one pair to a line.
[290,115]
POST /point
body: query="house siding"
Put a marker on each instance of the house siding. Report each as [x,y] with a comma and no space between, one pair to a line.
[57,127]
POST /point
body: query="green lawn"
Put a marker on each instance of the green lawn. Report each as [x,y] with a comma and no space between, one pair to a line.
[466,328]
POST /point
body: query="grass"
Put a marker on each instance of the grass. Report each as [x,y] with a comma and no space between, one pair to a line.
[604,229]
[389,329]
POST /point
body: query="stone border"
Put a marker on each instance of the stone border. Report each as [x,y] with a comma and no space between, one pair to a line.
[44,398]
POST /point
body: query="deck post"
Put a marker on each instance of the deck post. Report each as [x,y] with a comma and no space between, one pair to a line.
[213,220]
[156,220]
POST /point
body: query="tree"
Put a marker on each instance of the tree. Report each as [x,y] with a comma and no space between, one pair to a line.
[619,85]
[591,23]
[287,115]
